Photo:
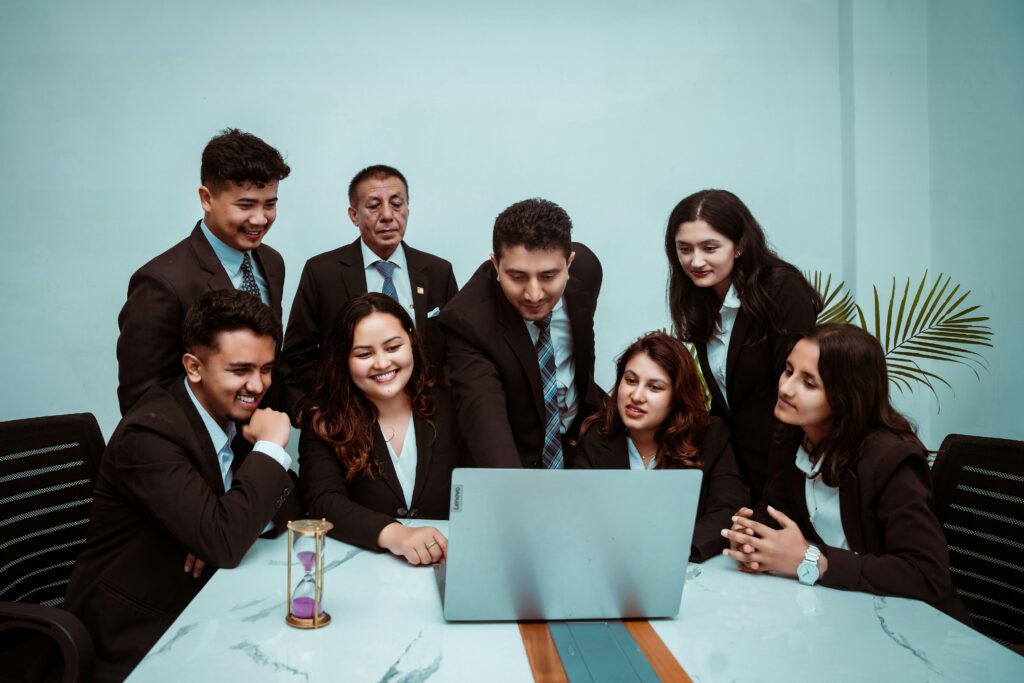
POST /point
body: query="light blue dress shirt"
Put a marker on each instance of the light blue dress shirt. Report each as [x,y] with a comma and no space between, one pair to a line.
[400,276]
[231,259]
[636,462]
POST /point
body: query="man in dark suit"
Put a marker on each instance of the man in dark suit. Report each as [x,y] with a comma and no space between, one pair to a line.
[239,176]
[170,491]
[520,342]
[423,283]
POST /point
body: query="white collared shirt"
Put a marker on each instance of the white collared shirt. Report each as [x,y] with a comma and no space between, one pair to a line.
[405,465]
[231,260]
[400,276]
[636,461]
[822,503]
[565,362]
[718,345]
[222,445]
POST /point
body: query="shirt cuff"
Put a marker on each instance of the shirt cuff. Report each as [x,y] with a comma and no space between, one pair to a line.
[271,449]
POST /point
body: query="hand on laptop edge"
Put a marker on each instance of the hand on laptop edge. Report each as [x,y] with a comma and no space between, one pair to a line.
[418,545]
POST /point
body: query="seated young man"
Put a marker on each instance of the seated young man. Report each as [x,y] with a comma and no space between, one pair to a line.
[520,342]
[171,496]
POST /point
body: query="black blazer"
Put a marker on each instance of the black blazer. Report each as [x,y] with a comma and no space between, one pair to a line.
[360,508]
[756,357]
[149,347]
[493,371]
[328,281]
[722,492]
[885,504]
[159,496]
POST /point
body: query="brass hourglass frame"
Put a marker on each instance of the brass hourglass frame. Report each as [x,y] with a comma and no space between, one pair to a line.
[317,528]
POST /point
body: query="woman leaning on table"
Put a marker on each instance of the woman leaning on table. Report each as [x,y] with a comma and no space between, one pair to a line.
[741,306]
[656,418]
[850,503]
[379,440]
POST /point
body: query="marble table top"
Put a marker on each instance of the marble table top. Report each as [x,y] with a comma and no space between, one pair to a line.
[387,625]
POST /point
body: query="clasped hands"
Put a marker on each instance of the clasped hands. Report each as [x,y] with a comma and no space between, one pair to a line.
[759,548]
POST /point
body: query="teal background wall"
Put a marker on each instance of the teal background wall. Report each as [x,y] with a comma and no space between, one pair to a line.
[870,138]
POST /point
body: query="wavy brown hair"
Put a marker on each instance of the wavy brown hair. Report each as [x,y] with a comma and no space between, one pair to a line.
[853,372]
[688,419]
[338,412]
[695,309]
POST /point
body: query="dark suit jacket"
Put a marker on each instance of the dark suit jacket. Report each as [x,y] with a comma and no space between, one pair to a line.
[722,492]
[885,503]
[160,496]
[493,371]
[756,357]
[149,347]
[328,281]
[361,508]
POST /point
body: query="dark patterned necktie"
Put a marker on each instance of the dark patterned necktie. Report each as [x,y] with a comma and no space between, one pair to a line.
[248,279]
[552,455]
[387,270]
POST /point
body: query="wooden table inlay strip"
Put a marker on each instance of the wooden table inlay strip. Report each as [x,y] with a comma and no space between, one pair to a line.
[662,660]
[540,650]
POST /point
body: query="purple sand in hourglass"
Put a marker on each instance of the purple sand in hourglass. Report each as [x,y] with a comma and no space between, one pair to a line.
[303,608]
[306,558]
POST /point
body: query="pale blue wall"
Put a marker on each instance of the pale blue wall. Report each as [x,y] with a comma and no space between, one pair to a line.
[816,113]
[976,98]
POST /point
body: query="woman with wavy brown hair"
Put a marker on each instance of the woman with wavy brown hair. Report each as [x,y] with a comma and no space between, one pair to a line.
[656,418]
[379,440]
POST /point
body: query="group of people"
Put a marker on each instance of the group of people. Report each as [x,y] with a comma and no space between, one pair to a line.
[395,376]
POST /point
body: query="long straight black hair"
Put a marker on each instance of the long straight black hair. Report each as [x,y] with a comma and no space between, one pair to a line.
[853,372]
[695,309]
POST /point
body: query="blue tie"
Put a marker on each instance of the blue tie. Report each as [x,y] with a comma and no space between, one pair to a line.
[248,279]
[552,455]
[387,270]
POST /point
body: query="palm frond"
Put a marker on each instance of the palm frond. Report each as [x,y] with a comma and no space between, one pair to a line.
[938,328]
[839,305]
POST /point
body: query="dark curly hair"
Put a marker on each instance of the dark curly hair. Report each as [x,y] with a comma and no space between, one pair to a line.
[378,172]
[534,224]
[226,310]
[234,156]
[695,309]
[688,419]
[338,412]
[855,378]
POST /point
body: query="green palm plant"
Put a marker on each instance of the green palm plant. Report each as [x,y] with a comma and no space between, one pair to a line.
[924,324]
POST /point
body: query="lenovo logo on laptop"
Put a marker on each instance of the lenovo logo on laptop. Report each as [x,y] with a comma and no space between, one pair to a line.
[457,500]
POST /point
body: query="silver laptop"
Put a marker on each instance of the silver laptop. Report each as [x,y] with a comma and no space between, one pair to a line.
[567,544]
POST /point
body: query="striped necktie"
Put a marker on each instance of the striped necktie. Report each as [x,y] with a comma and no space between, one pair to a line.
[552,455]
[387,270]
[248,279]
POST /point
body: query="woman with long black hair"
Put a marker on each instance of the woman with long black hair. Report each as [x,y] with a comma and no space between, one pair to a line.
[741,306]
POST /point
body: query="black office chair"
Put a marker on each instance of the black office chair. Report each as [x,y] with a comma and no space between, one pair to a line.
[48,469]
[979,499]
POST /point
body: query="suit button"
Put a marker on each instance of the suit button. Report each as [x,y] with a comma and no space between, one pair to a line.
[286,491]
[414,512]
[402,512]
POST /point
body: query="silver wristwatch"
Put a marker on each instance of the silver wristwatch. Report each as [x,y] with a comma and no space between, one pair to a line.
[807,570]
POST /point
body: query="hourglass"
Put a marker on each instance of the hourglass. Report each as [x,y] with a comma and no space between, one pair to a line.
[307,538]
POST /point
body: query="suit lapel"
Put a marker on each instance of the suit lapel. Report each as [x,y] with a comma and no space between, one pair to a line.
[518,339]
[217,277]
[737,340]
[275,280]
[582,323]
[717,392]
[353,270]
[424,452]
[207,463]
[615,453]
[418,283]
[380,451]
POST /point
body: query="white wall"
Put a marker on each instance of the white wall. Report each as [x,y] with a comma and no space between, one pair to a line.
[816,113]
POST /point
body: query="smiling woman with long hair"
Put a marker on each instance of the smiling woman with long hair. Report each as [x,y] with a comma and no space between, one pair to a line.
[849,505]
[741,306]
[656,418]
[378,439]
